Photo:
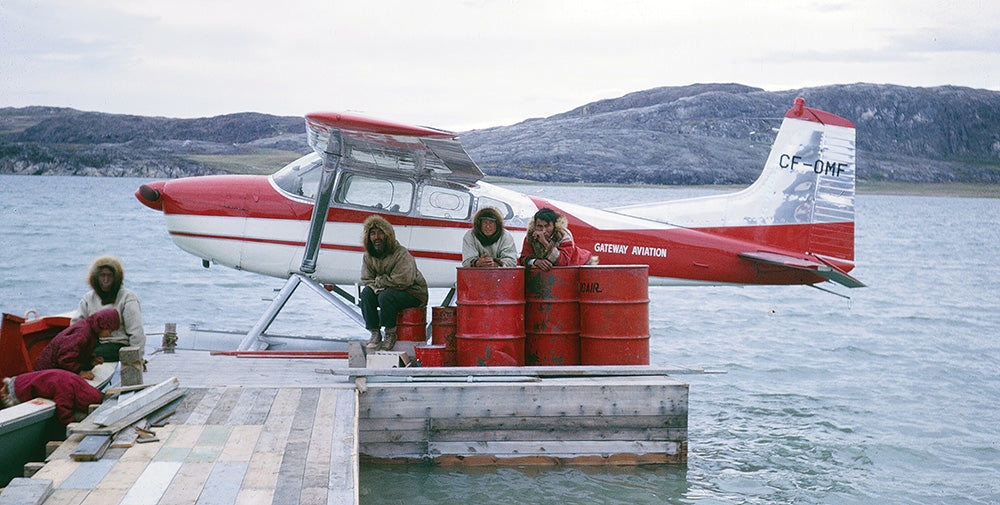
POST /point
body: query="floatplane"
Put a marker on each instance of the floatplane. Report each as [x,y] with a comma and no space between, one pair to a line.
[793,226]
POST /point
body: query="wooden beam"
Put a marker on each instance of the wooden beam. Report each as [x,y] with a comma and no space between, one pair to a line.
[136,403]
[125,389]
[91,448]
[90,428]
[539,371]
[23,491]
[132,365]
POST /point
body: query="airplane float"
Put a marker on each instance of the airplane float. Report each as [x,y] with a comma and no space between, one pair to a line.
[793,226]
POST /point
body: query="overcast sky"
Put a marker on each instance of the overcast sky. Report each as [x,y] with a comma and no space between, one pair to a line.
[468,64]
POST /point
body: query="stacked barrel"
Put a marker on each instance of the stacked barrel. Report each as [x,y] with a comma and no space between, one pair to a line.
[443,332]
[490,329]
[614,315]
[590,315]
[411,324]
[552,316]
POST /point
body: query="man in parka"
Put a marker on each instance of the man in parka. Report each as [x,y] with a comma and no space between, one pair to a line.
[105,278]
[488,244]
[392,281]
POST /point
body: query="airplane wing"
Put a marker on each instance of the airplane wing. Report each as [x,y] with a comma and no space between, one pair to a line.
[382,146]
[821,267]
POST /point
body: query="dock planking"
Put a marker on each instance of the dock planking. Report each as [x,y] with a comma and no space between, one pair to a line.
[248,431]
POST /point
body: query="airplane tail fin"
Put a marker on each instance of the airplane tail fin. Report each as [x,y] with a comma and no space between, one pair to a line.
[803,200]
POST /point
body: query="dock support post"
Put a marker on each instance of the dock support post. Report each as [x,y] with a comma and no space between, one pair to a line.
[131,365]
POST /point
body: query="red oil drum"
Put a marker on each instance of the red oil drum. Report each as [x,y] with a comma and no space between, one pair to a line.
[429,355]
[552,316]
[411,324]
[490,316]
[443,333]
[614,315]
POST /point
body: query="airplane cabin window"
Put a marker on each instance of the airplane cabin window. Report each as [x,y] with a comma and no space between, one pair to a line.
[436,201]
[376,193]
[503,207]
[301,177]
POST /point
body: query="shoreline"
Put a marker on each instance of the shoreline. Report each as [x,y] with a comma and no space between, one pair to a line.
[935,189]
[932,189]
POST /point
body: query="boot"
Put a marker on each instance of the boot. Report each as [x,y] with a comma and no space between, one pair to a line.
[390,339]
[375,340]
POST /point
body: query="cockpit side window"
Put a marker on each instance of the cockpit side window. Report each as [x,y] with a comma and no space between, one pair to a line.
[301,177]
[442,202]
[377,193]
[503,207]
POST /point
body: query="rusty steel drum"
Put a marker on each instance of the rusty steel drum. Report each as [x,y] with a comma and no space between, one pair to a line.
[552,317]
[429,355]
[490,316]
[614,315]
[443,333]
[411,324]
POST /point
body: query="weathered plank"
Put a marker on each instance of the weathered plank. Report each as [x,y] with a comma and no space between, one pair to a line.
[293,463]
[225,405]
[223,485]
[521,422]
[21,491]
[91,447]
[88,475]
[187,484]
[537,371]
[124,439]
[632,397]
[317,471]
[136,403]
[551,448]
[240,411]
[262,406]
[151,483]
[458,435]
[343,484]
[241,443]
[205,407]
[90,428]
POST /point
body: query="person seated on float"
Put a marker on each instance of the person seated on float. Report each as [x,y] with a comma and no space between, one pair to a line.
[549,243]
[392,281]
[105,278]
[488,244]
[73,348]
[70,392]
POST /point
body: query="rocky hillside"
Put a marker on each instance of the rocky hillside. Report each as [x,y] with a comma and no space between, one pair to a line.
[698,134]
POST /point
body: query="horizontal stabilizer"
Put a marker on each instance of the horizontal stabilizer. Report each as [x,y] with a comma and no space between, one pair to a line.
[821,268]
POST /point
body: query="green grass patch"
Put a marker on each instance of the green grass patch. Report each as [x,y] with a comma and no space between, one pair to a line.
[959,189]
[256,161]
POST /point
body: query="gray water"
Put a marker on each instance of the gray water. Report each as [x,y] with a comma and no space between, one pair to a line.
[888,397]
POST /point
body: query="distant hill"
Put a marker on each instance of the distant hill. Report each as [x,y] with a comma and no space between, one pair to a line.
[697,134]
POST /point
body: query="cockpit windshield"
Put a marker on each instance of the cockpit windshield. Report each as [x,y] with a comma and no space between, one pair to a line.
[300,177]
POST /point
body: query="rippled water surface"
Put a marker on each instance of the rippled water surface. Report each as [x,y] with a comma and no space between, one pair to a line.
[889,397]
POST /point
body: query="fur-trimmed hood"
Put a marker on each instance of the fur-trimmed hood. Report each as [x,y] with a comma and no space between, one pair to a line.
[376,221]
[558,227]
[115,265]
[492,213]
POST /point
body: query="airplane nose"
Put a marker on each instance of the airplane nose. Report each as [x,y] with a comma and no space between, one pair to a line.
[150,195]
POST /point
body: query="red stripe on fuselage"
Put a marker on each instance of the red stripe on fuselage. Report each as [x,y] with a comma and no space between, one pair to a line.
[293,243]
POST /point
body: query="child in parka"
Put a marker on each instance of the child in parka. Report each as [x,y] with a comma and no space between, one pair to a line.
[73,348]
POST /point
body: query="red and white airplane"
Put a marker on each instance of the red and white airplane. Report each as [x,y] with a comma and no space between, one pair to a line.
[794,225]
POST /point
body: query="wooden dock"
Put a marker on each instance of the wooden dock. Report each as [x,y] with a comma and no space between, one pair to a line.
[284,431]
